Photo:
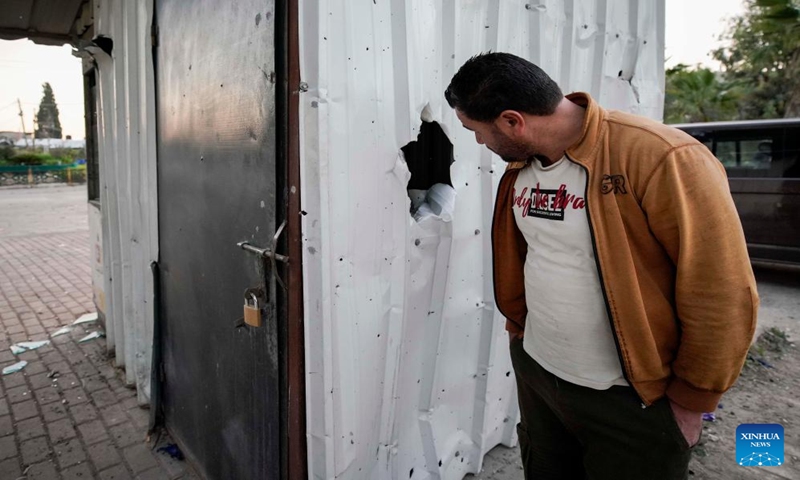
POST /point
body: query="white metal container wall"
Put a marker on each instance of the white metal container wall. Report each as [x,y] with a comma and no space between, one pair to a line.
[127,154]
[408,374]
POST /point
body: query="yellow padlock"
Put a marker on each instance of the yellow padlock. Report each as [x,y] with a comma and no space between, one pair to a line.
[252,313]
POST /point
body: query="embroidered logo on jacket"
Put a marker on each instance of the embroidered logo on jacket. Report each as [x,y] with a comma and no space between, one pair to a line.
[613,183]
[549,204]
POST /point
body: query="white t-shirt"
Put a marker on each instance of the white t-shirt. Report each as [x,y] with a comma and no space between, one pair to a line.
[567,330]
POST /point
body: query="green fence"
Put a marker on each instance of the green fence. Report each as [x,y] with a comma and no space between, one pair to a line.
[39,174]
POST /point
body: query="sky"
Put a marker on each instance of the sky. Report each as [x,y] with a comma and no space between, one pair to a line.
[691,31]
[692,28]
[24,67]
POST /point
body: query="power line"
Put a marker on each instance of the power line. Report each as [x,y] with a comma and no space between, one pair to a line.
[48,104]
[9,105]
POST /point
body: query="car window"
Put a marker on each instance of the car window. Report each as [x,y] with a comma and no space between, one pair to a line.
[756,154]
[725,151]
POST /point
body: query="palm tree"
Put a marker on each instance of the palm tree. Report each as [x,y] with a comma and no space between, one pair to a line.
[697,95]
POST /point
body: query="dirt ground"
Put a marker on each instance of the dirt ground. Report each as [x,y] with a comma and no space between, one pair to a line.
[768,391]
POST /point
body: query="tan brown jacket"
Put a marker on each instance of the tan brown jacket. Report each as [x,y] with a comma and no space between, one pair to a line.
[670,253]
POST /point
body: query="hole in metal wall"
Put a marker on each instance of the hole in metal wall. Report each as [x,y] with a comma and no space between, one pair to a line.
[429,158]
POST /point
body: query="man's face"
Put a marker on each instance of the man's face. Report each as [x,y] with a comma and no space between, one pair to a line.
[487,133]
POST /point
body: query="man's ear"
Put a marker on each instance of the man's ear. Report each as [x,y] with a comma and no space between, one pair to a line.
[510,122]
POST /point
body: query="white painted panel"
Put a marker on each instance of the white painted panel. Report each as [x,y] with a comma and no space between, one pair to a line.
[127,146]
[407,358]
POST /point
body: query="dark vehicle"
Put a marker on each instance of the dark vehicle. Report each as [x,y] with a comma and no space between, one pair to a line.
[762,158]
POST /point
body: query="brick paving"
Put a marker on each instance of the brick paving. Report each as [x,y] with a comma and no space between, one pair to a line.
[68,413]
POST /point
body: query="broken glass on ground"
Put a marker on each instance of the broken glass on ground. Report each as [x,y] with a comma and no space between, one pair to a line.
[92,336]
[61,331]
[86,318]
[20,347]
[15,367]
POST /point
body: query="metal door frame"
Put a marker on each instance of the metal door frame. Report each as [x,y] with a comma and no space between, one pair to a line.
[292,340]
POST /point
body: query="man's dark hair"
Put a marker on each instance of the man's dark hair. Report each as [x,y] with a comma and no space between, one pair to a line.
[489,83]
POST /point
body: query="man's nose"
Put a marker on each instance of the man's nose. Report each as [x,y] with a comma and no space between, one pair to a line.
[479,138]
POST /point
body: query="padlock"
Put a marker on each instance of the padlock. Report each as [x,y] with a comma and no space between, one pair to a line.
[252,313]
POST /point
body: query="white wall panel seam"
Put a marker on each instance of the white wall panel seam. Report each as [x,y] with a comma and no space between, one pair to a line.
[130,181]
[136,47]
[114,220]
[568,36]
[482,369]
[115,292]
[321,463]
[149,191]
[105,146]
[123,185]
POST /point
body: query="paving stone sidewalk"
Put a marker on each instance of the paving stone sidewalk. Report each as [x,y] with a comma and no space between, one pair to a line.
[67,414]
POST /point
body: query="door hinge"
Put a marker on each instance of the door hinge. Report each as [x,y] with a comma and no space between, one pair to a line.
[154,35]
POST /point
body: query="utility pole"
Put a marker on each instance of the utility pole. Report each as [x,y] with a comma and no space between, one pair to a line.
[22,121]
[33,130]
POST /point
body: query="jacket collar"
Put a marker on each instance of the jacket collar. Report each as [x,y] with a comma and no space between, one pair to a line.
[583,150]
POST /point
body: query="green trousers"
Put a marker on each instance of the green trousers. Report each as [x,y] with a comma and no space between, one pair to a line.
[571,432]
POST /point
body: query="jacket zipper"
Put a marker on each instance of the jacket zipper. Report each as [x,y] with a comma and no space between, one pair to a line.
[602,283]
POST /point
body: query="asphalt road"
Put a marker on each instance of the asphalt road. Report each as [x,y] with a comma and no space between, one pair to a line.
[43,210]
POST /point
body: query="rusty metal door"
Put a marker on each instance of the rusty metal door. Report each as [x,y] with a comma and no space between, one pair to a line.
[216,104]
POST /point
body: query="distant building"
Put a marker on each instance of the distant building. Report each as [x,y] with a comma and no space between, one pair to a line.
[11,138]
[50,143]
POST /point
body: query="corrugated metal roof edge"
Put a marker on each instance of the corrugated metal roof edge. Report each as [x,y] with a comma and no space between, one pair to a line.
[41,38]
[81,27]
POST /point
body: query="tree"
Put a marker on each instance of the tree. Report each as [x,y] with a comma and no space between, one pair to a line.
[48,124]
[697,95]
[763,58]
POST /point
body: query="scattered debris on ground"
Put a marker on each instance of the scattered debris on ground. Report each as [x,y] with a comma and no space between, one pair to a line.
[768,391]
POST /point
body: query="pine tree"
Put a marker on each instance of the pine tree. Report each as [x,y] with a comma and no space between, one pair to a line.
[48,124]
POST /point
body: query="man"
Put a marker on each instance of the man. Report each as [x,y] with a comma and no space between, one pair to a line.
[621,267]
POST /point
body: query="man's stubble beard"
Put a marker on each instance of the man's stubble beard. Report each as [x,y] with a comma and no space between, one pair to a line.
[510,151]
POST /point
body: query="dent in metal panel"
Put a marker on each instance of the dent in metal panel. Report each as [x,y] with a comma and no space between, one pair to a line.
[620,54]
[648,76]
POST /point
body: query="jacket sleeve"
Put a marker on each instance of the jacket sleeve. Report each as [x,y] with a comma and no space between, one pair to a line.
[691,212]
